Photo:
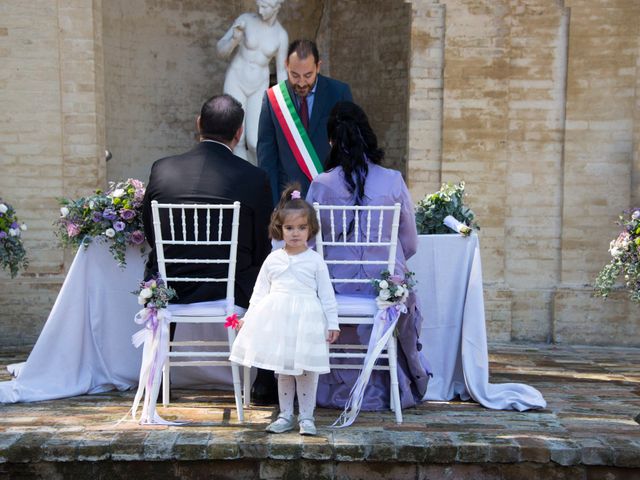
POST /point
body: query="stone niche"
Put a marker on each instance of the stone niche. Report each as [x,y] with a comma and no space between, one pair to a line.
[161,64]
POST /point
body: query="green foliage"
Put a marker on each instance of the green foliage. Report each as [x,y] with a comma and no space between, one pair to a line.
[13,256]
[625,261]
[432,210]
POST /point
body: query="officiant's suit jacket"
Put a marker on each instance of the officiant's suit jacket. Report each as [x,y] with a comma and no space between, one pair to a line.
[274,155]
[211,173]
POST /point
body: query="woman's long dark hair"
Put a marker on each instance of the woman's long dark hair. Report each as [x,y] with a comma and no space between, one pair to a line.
[353,143]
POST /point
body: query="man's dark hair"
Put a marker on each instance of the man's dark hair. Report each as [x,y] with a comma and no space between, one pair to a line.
[220,118]
[304,48]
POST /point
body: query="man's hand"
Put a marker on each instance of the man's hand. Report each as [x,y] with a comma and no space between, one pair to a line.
[333,336]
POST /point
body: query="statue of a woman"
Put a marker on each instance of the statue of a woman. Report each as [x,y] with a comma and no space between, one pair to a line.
[258,38]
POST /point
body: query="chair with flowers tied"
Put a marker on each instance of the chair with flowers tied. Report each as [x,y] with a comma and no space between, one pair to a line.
[367,225]
[197,225]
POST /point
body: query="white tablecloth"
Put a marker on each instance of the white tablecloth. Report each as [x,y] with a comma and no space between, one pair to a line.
[85,345]
[453,336]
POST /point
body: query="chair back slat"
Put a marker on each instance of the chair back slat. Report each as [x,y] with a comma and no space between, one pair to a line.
[171,225]
[195,224]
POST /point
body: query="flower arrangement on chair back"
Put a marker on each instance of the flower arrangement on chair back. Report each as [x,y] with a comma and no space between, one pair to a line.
[12,254]
[625,261]
[114,217]
[444,212]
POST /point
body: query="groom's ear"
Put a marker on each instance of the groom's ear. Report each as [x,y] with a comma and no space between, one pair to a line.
[198,125]
[238,135]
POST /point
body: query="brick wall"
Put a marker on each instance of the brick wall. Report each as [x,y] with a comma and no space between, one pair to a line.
[51,136]
[600,143]
[370,51]
[540,117]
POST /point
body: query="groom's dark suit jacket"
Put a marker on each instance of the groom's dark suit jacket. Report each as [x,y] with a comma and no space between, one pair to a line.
[211,173]
[275,156]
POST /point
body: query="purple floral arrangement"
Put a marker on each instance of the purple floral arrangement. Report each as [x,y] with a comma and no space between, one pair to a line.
[625,258]
[12,253]
[114,217]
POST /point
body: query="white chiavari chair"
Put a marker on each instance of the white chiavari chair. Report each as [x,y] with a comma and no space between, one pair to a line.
[196,226]
[343,231]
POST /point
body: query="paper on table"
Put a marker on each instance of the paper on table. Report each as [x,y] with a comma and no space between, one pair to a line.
[456,225]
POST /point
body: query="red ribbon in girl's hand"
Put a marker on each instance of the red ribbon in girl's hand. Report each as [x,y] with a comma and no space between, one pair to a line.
[232,321]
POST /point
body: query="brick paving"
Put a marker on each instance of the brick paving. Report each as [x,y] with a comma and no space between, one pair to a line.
[587,431]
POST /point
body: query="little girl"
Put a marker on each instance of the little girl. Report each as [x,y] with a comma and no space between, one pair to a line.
[292,314]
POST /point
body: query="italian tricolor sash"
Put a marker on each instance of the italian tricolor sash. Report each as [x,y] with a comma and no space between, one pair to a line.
[296,135]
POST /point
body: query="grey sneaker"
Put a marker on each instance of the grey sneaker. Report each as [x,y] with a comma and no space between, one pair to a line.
[307,427]
[281,425]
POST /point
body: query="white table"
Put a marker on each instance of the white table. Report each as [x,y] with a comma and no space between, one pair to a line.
[454,339]
[85,345]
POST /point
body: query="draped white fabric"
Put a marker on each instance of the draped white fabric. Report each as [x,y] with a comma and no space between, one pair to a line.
[85,345]
[454,339]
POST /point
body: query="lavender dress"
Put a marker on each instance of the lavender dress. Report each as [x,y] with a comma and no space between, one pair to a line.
[383,187]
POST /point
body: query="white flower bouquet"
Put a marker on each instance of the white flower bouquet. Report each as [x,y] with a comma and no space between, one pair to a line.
[393,289]
[444,212]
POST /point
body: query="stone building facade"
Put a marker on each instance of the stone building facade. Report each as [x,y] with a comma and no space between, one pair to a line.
[534,103]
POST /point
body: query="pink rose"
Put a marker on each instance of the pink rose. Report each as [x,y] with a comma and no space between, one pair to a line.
[73,229]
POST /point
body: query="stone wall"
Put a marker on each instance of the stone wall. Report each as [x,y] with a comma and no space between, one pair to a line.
[369,50]
[51,139]
[534,103]
[540,117]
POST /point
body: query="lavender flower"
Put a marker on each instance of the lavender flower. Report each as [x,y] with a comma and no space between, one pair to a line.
[3,234]
[118,226]
[127,214]
[137,237]
[109,214]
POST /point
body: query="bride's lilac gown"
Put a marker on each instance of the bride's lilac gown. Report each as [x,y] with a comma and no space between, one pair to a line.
[383,187]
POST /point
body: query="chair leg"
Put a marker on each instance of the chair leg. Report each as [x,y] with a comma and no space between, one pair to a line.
[237,391]
[393,374]
[165,382]
[246,375]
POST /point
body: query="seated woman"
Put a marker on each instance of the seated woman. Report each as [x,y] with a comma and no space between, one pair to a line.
[354,177]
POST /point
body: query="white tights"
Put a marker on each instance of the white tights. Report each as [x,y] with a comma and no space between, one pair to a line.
[305,386]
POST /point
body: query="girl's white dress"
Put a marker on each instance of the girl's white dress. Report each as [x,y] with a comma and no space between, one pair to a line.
[291,309]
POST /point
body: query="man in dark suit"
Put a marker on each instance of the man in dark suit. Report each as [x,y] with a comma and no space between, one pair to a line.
[211,173]
[309,97]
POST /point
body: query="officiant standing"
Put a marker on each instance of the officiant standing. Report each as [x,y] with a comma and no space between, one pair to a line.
[292,133]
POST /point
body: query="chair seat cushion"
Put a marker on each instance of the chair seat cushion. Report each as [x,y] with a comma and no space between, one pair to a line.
[356,305]
[213,308]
